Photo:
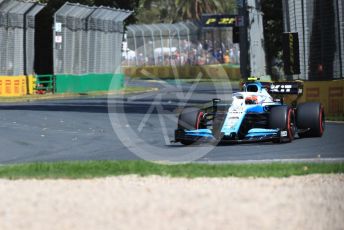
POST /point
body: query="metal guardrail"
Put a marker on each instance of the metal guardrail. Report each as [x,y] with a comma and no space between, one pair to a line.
[45,84]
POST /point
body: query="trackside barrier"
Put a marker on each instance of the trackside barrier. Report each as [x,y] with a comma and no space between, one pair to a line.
[12,86]
[329,93]
[31,81]
[68,83]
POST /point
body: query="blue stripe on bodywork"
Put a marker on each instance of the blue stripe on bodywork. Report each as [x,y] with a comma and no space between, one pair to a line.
[255,109]
[261,132]
[199,133]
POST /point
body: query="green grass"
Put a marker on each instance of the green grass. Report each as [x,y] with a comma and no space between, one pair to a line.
[50,96]
[93,169]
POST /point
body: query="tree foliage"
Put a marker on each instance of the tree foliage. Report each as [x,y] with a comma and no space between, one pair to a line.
[169,11]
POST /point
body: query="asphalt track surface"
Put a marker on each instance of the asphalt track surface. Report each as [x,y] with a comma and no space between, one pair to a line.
[81,129]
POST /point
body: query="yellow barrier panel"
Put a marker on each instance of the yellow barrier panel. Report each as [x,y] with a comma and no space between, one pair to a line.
[329,93]
[31,80]
[12,86]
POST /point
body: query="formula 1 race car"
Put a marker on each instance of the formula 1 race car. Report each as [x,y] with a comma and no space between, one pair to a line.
[254,115]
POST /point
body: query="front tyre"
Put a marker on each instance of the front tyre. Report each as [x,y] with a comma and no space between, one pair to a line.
[283,118]
[190,119]
[310,118]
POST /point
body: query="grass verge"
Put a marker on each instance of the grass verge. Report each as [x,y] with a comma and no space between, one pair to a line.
[36,97]
[93,169]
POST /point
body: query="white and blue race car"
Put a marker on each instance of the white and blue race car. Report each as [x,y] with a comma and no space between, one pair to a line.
[254,115]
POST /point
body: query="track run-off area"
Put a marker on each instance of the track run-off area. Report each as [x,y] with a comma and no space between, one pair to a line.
[83,128]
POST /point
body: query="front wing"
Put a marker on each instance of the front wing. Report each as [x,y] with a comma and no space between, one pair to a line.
[206,136]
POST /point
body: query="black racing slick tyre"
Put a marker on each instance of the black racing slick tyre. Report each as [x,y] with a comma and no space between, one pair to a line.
[283,118]
[310,116]
[190,119]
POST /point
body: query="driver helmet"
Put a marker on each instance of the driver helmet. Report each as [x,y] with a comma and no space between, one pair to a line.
[249,100]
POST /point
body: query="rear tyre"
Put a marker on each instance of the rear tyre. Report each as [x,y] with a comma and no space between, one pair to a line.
[283,118]
[310,116]
[190,119]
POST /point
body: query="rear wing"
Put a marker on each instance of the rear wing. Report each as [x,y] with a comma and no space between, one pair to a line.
[295,88]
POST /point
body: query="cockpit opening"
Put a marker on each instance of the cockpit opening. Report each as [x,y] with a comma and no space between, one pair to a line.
[252,88]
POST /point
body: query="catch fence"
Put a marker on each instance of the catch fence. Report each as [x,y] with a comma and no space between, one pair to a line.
[17,37]
[320,27]
[88,39]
